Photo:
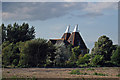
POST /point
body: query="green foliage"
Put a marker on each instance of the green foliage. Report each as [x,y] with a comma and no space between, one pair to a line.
[83,65]
[70,63]
[83,59]
[76,51]
[10,55]
[15,33]
[97,60]
[103,47]
[91,69]
[34,53]
[100,74]
[115,58]
[77,71]
[5,44]
[3,32]
[73,58]
[51,55]
[118,75]
[20,49]
[62,55]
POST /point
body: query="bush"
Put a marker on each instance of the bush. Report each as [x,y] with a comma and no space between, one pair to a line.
[83,60]
[100,74]
[91,69]
[97,60]
[83,65]
[118,75]
[70,64]
[76,51]
[77,71]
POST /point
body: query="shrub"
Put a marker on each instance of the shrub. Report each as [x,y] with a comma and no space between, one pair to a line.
[77,71]
[100,74]
[97,60]
[91,69]
[118,75]
[76,51]
[83,65]
[70,64]
[83,60]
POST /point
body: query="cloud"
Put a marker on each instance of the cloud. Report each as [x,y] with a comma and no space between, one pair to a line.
[48,10]
[98,7]
[61,1]
[90,15]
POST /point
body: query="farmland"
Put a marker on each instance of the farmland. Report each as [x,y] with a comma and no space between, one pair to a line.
[99,72]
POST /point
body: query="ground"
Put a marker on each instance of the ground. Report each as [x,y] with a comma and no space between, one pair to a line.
[111,72]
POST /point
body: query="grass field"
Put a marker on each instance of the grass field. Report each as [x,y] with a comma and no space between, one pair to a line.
[102,72]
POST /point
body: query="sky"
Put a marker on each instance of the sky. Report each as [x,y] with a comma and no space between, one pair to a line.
[51,19]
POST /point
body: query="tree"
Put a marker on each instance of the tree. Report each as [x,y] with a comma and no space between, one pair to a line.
[51,55]
[15,33]
[115,58]
[103,47]
[62,55]
[34,53]
[3,32]
[10,55]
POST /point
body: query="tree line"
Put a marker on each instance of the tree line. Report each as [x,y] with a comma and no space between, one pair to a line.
[20,48]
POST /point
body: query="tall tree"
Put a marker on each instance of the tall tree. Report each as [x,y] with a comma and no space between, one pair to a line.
[115,58]
[35,52]
[103,47]
[10,54]
[3,32]
[62,54]
[15,33]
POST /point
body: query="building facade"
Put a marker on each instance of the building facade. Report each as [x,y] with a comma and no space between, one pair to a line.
[73,38]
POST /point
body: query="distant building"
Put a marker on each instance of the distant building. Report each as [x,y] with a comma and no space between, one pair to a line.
[73,38]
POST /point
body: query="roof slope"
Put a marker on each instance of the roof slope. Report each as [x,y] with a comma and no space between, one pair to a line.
[76,40]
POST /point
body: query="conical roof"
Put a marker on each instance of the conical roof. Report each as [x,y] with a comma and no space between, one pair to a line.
[68,29]
[67,33]
[76,40]
[76,28]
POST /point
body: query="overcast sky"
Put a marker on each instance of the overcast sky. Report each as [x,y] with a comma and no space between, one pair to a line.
[50,19]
